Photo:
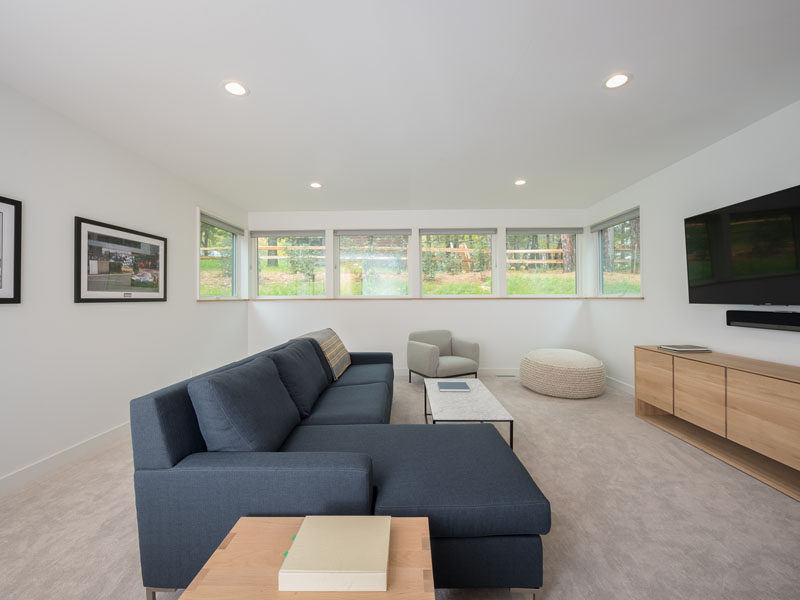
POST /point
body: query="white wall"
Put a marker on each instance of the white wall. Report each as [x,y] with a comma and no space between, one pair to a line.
[505,329]
[763,158]
[67,371]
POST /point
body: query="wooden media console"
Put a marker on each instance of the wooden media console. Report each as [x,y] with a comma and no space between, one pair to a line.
[743,411]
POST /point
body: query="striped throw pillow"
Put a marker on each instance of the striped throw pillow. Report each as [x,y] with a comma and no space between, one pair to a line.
[332,347]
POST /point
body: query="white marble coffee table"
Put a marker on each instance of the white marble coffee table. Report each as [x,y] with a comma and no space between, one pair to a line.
[478,404]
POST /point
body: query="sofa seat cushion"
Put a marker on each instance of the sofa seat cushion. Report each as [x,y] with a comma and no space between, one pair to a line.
[365,403]
[373,373]
[455,365]
[463,477]
[244,408]
[302,373]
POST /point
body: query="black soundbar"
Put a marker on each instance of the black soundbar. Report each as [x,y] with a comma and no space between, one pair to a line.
[788,321]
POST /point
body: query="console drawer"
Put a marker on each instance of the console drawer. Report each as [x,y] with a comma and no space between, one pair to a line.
[654,378]
[764,415]
[700,394]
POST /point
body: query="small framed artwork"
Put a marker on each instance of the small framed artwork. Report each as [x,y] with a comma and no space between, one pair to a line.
[114,264]
[10,250]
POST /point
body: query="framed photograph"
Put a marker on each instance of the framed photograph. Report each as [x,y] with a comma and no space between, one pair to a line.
[10,250]
[114,264]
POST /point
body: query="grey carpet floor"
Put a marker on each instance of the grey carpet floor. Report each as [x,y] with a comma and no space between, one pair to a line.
[637,514]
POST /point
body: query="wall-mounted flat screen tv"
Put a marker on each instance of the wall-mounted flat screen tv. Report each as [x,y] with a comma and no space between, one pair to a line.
[746,253]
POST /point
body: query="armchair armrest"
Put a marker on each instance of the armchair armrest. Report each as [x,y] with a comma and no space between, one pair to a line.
[184,512]
[423,358]
[371,358]
[466,349]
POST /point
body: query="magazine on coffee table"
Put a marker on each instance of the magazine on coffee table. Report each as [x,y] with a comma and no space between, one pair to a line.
[452,386]
[683,348]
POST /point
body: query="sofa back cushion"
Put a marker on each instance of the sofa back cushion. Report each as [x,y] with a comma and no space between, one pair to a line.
[245,408]
[302,373]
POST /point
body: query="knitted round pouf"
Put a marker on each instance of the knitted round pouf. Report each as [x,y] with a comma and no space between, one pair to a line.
[562,373]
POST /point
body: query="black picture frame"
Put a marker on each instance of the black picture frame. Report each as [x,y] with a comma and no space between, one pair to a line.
[10,227]
[146,283]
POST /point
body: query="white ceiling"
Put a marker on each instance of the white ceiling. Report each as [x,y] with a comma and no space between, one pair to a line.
[407,103]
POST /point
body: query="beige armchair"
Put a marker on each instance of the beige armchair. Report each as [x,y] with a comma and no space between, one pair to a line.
[436,353]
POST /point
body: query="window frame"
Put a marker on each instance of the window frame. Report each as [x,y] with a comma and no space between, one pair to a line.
[236,254]
[339,233]
[493,240]
[597,229]
[576,231]
[254,235]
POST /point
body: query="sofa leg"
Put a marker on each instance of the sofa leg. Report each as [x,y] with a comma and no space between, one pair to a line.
[150,592]
[526,593]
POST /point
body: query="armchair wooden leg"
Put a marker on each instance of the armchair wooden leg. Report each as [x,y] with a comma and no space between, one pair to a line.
[150,592]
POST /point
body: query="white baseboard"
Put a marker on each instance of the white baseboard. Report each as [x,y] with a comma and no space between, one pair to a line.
[21,476]
[620,382]
[499,372]
[398,372]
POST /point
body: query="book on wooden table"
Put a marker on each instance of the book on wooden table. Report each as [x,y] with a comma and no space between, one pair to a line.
[338,554]
[452,386]
[683,348]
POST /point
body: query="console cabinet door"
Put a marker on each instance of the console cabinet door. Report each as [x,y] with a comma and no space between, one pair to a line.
[700,394]
[764,415]
[654,378]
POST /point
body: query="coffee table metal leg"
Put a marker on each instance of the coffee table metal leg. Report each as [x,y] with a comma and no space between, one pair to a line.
[150,592]
[511,434]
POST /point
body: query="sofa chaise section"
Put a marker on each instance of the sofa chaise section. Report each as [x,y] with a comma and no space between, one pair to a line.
[482,504]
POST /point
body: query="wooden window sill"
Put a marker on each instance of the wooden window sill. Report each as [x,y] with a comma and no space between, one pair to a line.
[406,298]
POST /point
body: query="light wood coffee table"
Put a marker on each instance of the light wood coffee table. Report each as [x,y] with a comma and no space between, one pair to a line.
[476,405]
[245,565]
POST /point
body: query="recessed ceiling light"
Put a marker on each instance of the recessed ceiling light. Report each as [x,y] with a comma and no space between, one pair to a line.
[617,80]
[315,185]
[236,88]
[520,182]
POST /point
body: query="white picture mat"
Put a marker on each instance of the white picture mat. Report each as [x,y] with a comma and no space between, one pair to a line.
[8,214]
[86,228]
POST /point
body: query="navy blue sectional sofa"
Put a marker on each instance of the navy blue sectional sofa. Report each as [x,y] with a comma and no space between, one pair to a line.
[336,455]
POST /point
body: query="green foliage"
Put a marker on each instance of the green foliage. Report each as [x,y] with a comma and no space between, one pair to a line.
[215,277]
[216,242]
[457,288]
[481,257]
[295,268]
[303,261]
[279,281]
[385,284]
[521,283]
[622,284]
[621,247]
[373,265]
[453,263]
[428,260]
